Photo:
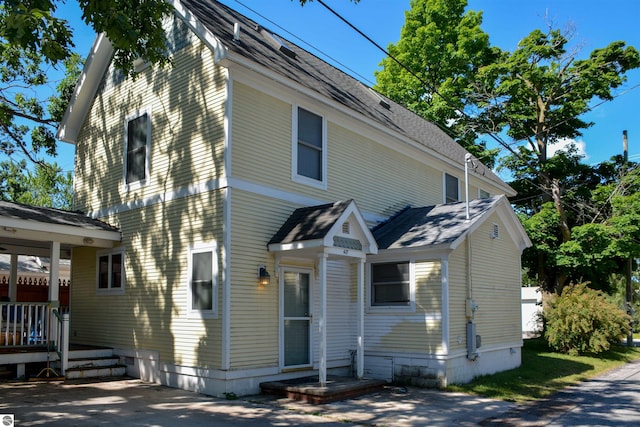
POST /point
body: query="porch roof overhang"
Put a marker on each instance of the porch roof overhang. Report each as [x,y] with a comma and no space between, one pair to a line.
[442,228]
[336,229]
[30,230]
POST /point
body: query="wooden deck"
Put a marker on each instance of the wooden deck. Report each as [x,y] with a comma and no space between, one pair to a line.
[308,389]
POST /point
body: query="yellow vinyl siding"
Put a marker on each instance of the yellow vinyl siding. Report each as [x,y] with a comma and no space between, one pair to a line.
[152,312]
[418,332]
[457,298]
[380,179]
[496,284]
[495,279]
[261,132]
[254,309]
[187,106]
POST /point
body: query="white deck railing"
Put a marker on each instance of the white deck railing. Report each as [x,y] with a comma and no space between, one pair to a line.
[24,324]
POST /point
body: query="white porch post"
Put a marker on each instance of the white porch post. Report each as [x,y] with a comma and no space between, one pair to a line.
[54,275]
[13,278]
[54,290]
[322,279]
[360,345]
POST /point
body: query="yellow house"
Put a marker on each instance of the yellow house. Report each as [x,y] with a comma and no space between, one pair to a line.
[280,219]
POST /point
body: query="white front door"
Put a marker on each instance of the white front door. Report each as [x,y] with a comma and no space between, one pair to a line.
[296,318]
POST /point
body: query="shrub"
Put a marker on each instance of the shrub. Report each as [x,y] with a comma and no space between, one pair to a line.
[583,320]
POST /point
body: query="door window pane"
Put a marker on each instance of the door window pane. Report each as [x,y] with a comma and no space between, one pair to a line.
[296,294]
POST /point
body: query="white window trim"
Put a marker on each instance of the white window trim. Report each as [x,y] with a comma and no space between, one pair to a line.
[111,291]
[200,248]
[294,151]
[147,161]
[480,191]
[444,187]
[411,307]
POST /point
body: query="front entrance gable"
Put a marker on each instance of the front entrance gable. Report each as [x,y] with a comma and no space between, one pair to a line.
[337,229]
[320,234]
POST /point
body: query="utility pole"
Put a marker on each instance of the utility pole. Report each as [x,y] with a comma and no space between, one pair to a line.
[629,266]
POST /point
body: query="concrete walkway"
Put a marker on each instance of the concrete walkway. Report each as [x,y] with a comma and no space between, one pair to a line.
[131,402]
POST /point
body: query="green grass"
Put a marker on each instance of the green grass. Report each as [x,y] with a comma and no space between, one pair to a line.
[544,372]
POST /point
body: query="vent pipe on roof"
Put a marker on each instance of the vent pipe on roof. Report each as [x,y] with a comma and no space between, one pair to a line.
[236,32]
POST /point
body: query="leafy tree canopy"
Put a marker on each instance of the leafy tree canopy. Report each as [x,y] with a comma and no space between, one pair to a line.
[432,67]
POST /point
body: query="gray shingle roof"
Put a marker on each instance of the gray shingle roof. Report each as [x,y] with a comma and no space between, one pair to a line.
[432,225]
[323,78]
[310,223]
[52,216]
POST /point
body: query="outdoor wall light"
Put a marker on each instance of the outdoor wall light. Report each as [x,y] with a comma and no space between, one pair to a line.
[263,276]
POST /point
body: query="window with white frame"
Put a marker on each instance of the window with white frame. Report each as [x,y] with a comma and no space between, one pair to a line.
[203,271]
[483,194]
[391,284]
[309,160]
[110,271]
[137,144]
[451,191]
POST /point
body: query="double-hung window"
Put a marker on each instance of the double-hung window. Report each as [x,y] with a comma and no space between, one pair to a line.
[110,271]
[391,284]
[203,273]
[137,148]
[309,160]
[451,191]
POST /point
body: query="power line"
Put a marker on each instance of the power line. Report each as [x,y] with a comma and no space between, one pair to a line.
[429,87]
[315,48]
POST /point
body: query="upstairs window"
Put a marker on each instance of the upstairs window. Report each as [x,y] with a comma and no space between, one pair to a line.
[390,284]
[451,191]
[137,143]
[482,194]
[309,165]
[110,272]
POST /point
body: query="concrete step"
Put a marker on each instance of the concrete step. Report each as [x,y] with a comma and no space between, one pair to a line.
[96,371]
[90,353]
[92,362]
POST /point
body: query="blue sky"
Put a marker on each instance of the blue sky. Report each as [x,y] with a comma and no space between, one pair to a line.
[596,24]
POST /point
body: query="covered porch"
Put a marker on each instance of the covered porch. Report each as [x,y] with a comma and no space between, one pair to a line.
[333,234]
[31,327]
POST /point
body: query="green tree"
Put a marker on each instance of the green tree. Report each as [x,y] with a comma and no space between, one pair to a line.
[34,41]
[538,95]
[432,68]
[45,185]
[605,227]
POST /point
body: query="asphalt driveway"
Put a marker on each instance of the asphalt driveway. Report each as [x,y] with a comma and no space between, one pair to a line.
[611,399]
